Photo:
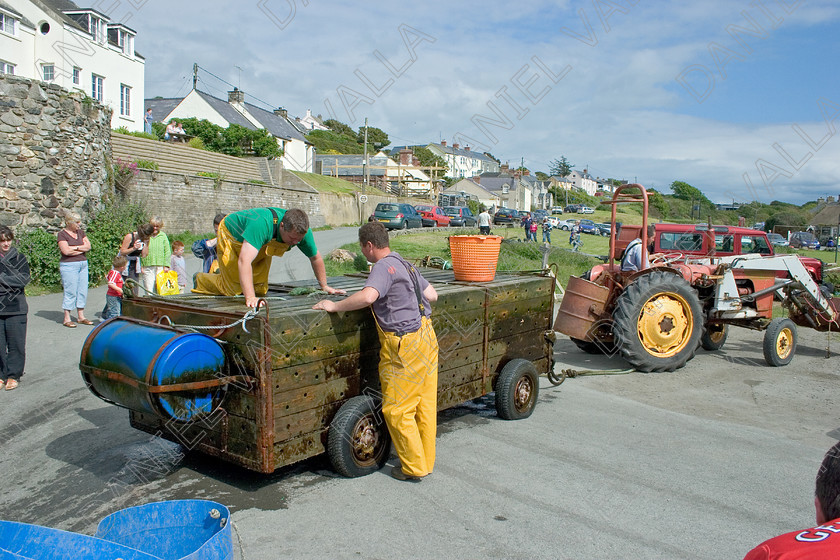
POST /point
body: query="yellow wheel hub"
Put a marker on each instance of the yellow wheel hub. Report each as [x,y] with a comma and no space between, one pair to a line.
[665,324]
[784,343]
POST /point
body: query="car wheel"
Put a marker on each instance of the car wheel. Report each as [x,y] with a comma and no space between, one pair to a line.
[358,442]
[404,224]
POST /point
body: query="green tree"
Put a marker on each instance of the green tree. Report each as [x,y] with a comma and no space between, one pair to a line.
[657,201]
[685,191]
[786,218]
[376,137]
[339,128]
[542,176]
[560,167]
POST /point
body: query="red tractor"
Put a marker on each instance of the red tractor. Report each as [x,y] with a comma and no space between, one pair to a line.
[658,316]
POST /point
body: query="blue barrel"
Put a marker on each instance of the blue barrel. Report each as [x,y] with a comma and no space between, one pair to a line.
[154,369]
[175,530]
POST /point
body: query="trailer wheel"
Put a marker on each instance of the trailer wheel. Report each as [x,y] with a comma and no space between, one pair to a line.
[779,342]
[517,389]
[657,322]
[358,442]
[714,337]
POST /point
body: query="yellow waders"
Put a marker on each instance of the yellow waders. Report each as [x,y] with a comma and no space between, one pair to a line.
[408,373]
[226,282]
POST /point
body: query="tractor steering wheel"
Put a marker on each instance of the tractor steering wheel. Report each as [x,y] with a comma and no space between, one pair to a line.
[668,258]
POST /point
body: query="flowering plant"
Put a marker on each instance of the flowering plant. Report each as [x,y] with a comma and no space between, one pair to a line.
[124,172]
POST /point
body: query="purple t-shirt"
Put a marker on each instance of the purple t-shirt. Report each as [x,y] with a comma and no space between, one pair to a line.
[396,308]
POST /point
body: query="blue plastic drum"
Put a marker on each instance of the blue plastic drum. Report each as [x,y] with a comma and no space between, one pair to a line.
[154,369]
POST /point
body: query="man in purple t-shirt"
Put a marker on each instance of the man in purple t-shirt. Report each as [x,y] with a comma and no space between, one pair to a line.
[408,360]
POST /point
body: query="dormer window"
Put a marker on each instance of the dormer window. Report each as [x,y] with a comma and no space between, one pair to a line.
[7,23]
[97,29]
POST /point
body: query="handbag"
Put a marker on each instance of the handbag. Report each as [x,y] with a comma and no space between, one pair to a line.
[167,283]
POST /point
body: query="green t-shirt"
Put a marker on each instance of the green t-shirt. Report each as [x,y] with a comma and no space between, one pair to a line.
[256,226]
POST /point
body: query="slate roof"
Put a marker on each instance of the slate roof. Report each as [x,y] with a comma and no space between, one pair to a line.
[494,184]
[227,112]
[462,152]
[161,107]
[328,162]
[277,125]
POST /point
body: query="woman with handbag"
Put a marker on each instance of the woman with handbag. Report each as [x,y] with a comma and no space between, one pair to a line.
[156,259]
[135,245]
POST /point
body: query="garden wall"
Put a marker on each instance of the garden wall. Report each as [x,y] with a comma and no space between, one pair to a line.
[53,153]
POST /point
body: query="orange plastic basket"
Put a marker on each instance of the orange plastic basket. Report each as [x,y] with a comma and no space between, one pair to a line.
[474,257]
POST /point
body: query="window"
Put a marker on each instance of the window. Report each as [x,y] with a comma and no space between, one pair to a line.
[7,24]
[6,68]
[124,41]
[125,100]
[97,29]
[96,87]
[77,72]
[48,71]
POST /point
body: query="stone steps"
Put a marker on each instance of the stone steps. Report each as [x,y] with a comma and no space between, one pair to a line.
[180,158]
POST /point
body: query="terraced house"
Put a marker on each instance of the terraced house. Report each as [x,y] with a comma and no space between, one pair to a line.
[57,42]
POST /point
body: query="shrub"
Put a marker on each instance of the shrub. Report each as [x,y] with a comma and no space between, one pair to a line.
[197,143]
[124,130]
[123,174]
[41,250]
[106,229]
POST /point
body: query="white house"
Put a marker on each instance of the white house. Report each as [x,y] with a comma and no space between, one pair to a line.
[76,48]
[298,152]
[463,162]
[311,122]
[584,181]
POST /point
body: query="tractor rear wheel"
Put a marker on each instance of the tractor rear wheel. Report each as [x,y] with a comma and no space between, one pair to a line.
[779,342]
[658,322]
[714,337]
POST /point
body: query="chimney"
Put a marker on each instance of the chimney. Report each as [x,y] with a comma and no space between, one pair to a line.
[405,156]
[280,111]
[467,148]
[504,168]
[527,172]
[455,145]
[477,179]
[830,200]
[415,161]
[236,96]
[443,143]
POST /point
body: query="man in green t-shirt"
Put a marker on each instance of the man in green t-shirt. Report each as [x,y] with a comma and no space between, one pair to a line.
[246,242]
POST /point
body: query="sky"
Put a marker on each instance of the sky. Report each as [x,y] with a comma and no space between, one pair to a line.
[738,98]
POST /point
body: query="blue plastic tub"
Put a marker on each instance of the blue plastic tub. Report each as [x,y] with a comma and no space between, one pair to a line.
[176,530]
[128,363]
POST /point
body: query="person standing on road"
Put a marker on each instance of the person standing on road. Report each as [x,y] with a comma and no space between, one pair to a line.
[157,257]
[408,360]
[484,222]
[14,276]
[817,543]
[73,266]
[246,242]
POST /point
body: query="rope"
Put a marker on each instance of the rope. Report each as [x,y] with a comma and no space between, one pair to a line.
[556,379]
[250,314]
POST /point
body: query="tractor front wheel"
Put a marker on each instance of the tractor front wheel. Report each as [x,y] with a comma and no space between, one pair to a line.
[658,322]
[779,342]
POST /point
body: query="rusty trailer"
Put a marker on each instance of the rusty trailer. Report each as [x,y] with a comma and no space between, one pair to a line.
[293,382]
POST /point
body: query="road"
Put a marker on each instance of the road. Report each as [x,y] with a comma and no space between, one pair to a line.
[704,462]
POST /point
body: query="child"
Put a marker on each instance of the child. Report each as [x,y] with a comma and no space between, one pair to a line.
[113,297]
[546,228]
[533,229]
[178,264]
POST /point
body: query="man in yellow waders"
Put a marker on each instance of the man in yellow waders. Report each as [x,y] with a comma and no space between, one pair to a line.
[408,361]
[246,242]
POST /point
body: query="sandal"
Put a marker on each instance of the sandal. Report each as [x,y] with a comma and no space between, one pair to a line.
[2,382]
[85,322]
[11,384]
[70,325]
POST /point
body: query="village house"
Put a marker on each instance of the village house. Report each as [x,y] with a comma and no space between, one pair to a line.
[463,162]
[471,189]
[298,152]
[403,177]
[57,42]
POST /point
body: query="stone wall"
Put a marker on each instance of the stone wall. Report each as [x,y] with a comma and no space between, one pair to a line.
[344,209]
[53,153]
[189,202]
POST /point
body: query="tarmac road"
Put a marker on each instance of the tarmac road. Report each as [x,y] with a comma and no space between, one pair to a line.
[704,462]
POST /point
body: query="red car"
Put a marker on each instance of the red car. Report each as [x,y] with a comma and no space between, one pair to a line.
[433,216]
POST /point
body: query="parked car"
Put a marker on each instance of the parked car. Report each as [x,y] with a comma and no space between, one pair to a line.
[506,216]
[777,239]
[585,210]
[566,225]
[556,209]
[604,229]
[588,226]
[433,216]
[395,215]
[539,215]
[461,216]
[804,240]
[571,208]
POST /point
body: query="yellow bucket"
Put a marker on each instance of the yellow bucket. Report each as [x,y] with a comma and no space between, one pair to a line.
[474,257]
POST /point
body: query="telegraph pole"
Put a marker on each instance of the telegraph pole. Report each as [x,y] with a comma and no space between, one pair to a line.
[195,74]
[365,164]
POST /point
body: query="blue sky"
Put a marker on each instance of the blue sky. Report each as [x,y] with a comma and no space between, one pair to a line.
[596,80]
